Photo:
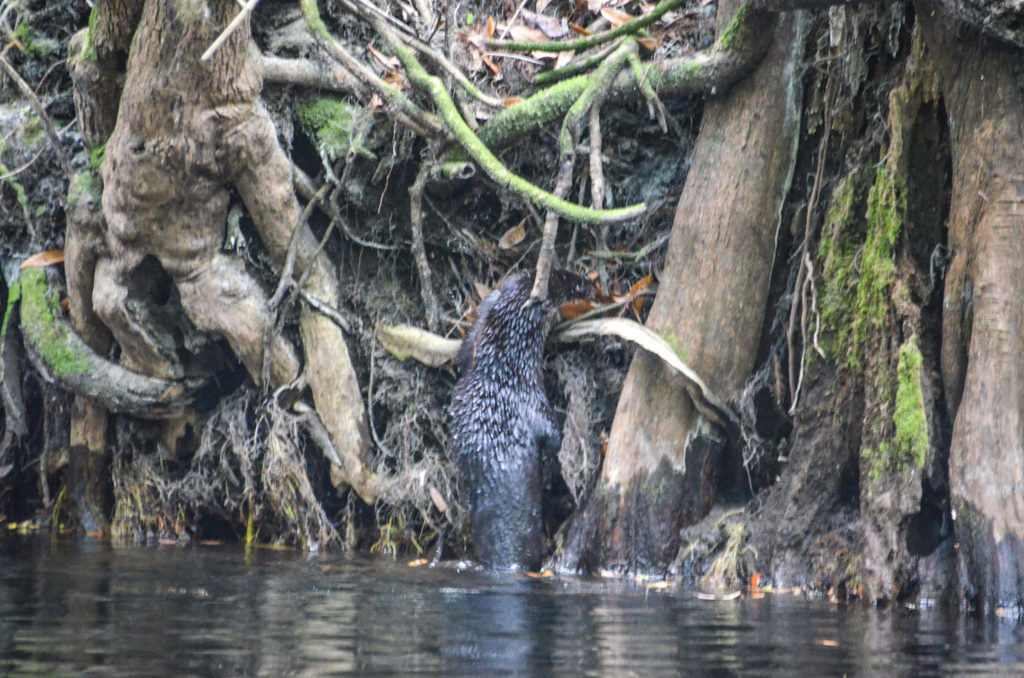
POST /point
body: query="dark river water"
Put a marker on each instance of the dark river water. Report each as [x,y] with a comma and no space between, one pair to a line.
[86,608]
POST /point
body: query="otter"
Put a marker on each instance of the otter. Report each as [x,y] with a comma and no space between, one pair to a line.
[502,425]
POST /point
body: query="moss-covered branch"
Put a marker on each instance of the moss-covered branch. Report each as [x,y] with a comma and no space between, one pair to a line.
[408,112]
[62,356]
[629,28]
[711,72]
[486,159]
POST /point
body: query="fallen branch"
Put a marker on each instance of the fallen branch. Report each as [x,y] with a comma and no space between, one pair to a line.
[706,402]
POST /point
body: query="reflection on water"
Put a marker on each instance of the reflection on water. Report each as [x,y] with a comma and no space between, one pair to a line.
[90,609]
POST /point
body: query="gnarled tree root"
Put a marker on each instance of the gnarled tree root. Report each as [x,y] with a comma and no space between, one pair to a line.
[61,356]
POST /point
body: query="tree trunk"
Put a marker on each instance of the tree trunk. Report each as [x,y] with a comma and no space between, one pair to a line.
[660,470]
[982,364]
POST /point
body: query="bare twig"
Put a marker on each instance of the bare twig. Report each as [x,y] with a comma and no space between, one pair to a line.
[242,15]
[33,101]
[419,251]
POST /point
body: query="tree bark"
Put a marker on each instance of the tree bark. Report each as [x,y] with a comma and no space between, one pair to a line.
[660,470]
[982,365]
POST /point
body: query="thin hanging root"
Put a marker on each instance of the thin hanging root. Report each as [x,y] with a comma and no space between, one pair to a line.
[655,108]
[418,249]
[242,15]
[485,158]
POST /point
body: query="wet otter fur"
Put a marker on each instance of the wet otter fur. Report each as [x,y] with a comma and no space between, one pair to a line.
[501,422]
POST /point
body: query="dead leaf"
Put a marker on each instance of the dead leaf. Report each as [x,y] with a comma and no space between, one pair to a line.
[596,5]
[640,286]
[571,310]
[616,17]
[509,102]
[391,63]
[490,64]
[563,59]
[552,28]
[579,29]
[512,236]
[435,496]
[649,43]
[418,562]
[406,341]
[490,26]
[42,259]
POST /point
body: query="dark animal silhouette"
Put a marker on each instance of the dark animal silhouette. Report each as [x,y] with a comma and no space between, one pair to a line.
[501,422]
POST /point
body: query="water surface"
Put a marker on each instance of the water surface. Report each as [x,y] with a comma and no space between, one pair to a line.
[86,608]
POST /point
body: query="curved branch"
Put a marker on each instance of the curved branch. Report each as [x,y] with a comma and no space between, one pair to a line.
[61,356]
[486,159]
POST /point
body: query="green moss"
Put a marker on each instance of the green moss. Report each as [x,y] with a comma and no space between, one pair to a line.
[51,340]
[316,25]
[332,122]
[13,297]
[88,49]
[34,44]
[19,190]
[83,184]
[909,417]
[837,256]
[736,28]
[887,203]
[96,156]
[673,341]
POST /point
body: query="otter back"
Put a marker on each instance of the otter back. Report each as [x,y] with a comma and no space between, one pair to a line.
[501,420]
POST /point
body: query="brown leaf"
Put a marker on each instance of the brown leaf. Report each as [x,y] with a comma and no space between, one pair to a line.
[490,26]
[551,27]
[579,29]
[435,496]
[637,288]
[563,59]
[42,259]
[490,64]
[616,17]
[391,63]
[575,308]
[512,101]
[513,236]
[649,43]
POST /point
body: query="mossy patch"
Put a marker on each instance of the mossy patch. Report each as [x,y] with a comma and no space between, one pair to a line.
[333,125]
[82,185]
[736,29]
[838,255]
[50,339]
[675,344]
[909,417]
[96,156]
[887,203]
[908,448]
[13,297]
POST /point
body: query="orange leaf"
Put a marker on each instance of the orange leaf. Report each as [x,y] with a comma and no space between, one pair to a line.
[648,43]
[755,580]
[490,64]
[575,308]
[639,287]
[579,29]
[615,17]
[512,101]
[42,259]
[512,236]
[490,26]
